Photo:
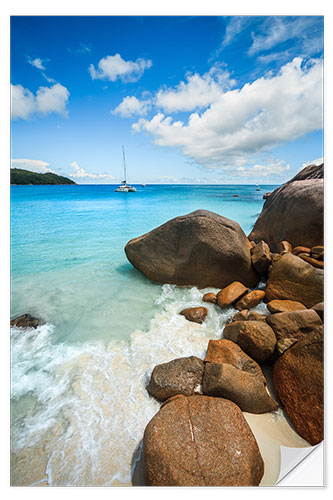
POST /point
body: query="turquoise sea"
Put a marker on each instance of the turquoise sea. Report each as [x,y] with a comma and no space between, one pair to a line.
[79,404]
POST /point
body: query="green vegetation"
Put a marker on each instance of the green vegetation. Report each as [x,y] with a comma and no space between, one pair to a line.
[20,176]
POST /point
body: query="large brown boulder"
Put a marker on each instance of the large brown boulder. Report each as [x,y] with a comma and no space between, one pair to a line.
[293,212]
[299,382]
[195,314]
[256,338]
[292,278]
[230,294]
[179,376]
[294,324]
[200,441]
[243,388]
[201,248]
[226,351]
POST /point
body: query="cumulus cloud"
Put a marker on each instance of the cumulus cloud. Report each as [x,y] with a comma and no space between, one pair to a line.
[130,106]
[33,165]
[80,172]
[317,161]
[243,123]
[113,67]
[196,92]
[47,100]
[269,169]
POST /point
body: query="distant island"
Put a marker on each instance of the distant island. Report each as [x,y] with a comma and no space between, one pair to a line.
[20,176]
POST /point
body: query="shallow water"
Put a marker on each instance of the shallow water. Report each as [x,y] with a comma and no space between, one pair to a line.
[79,403]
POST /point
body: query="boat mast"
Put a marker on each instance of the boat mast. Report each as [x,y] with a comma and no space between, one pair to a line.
[124,165]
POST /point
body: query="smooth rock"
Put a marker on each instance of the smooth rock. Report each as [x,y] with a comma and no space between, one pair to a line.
[255,316]
[201,248]
[240,316]
[209,297]
[284,246]
[25,321]
[314,262]
[277,306]
[317,252]
[294,324]
[256,338]
[245,389]
[293,212]
[179,376]
[251,299]
[230,294]
[299,382]
[261,257]
[283,344]
[298,250]
[293,279]
[319,308]
[200,441]
[226,351]
[195,314]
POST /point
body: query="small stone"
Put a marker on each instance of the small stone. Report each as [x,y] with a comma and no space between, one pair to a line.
[240,316]
[250,300]
[283,344]
[319,308]
[317,252]
[209,297]
[300,249]
[314,262]
[195,314]
[255,316]
[230,294]
[284,246]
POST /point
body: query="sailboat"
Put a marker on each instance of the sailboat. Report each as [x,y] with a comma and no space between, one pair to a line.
[258,188]
[124,187]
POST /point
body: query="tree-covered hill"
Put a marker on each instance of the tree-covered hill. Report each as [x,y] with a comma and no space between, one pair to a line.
[20,176]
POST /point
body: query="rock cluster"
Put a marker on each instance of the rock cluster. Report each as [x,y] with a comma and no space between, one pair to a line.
[199,436]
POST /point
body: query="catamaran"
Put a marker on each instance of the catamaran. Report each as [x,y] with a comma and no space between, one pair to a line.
[124,187]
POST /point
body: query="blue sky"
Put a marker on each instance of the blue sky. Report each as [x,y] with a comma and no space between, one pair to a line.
[193,99]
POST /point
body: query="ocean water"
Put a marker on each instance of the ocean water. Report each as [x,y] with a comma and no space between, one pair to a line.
[79,403]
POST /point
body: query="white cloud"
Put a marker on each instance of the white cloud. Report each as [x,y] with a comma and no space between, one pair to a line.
[274,168]
[242,123]
[47,100]
[113,67]
[317,161]
[130,106]
[33,165]
[275,30]
[197,92]
[80,172]
[38,63]
[52,99]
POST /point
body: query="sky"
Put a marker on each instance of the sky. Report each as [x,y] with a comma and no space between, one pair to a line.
[193,100]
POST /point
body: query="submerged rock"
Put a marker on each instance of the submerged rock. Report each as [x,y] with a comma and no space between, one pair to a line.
[245,389]
[201,248]
[179,376]
[299,382]
[293,212]
[195,314]
[25,321]
[293,279]
[256,338]
[200,441]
